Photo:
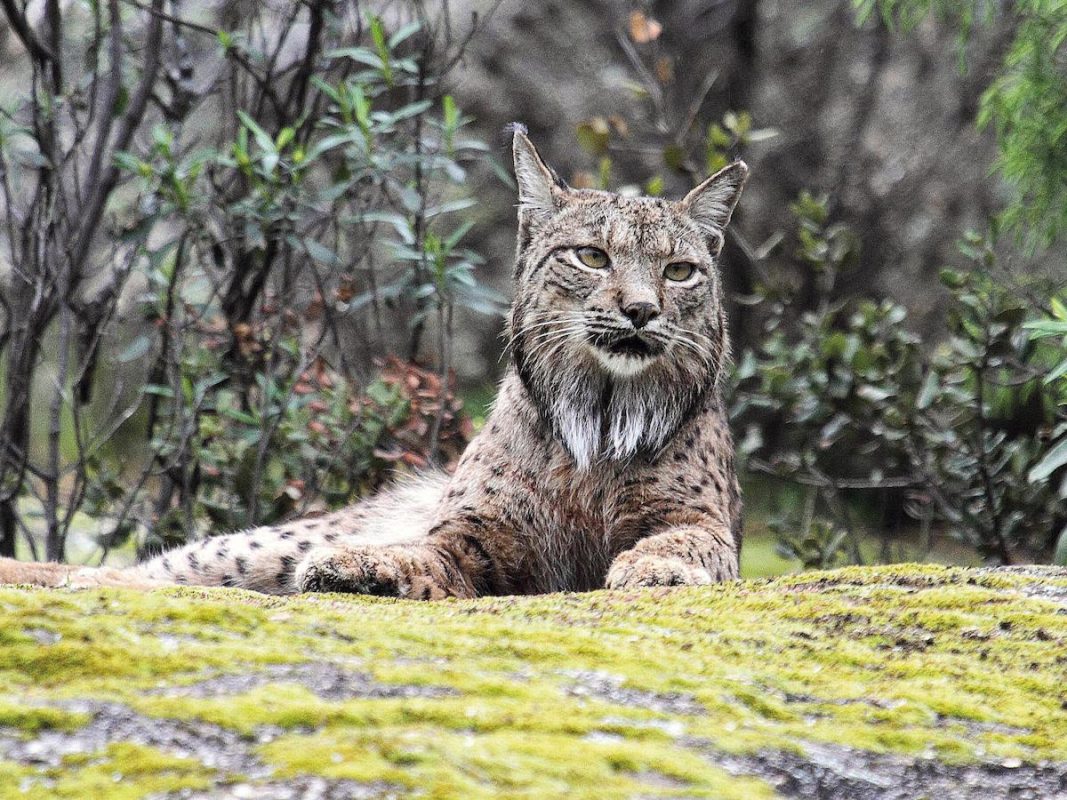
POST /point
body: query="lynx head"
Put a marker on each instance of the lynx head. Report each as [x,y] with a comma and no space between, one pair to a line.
[618,328]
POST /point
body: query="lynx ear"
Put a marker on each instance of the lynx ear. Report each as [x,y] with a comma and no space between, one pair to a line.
[711,204]
[540,189]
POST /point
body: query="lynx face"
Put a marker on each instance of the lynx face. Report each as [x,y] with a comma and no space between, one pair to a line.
[618,326]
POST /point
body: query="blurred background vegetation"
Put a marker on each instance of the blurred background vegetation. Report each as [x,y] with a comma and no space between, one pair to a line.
[254,256]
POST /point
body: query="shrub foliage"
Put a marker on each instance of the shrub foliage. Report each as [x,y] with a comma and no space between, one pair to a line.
[248,269]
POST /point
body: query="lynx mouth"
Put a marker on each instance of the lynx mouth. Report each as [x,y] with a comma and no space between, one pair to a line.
[628,352]
[630,347]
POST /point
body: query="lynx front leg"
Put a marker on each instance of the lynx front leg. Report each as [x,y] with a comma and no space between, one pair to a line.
[446,565]
[682,556]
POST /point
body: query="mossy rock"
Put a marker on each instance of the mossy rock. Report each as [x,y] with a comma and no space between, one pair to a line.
[901,681]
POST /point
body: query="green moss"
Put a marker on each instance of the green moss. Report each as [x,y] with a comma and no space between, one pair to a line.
[959,664]
[508,763]
[29,720]
[122,771]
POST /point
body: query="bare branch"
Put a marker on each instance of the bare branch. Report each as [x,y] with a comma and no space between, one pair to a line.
[99,193]
[22,29]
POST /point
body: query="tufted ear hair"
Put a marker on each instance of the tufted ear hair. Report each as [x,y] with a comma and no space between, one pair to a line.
[711,204]
[540,189]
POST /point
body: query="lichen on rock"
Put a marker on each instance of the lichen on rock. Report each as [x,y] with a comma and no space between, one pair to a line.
[862,682]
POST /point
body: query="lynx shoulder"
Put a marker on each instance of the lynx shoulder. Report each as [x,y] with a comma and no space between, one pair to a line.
[606,461]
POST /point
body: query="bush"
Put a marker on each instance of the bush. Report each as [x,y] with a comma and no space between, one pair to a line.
[845,401]
[316,222]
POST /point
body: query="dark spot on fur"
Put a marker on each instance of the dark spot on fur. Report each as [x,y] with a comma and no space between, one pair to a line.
[286,534]
[330,537]
[304,546]
[476,521]
[288,563]
[254,545]
[241,564]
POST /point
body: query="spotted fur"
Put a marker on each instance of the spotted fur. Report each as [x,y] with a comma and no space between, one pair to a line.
[606,460]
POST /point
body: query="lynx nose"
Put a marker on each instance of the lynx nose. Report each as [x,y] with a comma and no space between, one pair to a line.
[640,314]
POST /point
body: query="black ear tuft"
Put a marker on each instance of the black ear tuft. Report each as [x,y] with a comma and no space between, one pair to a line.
[513,128]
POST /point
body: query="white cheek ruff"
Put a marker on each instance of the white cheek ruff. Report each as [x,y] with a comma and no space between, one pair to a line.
[623,366]
[580,432]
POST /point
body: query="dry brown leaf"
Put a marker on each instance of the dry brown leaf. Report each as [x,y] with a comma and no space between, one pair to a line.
[664,70]
[644,29]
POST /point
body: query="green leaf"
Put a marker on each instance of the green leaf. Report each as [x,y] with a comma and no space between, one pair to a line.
[873,393]
[240,416]
[1059,371]
[1052,461]
[928,390]
[411,110]
[285,135]
[449,112]
[1059,557]
[404,33]
[1047,327]
[1059,309]
[263,139]
[451,206]
[456,235]
[377,32]
[673,156]
[135,349]
[594,135]
[326,89]
[321,252]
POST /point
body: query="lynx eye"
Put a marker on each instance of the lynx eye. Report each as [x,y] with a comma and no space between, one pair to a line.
[593,257]
[679,271]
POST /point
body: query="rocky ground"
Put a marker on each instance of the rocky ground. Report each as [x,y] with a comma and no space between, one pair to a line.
[894,682]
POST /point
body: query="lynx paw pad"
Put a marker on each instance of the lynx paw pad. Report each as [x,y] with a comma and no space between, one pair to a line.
[382,572]
[632,572]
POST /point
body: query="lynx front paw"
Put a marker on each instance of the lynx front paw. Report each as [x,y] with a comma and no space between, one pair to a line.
[635,570]
[415,573]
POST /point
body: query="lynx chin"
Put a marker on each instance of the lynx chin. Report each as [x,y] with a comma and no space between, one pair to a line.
[606,461]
